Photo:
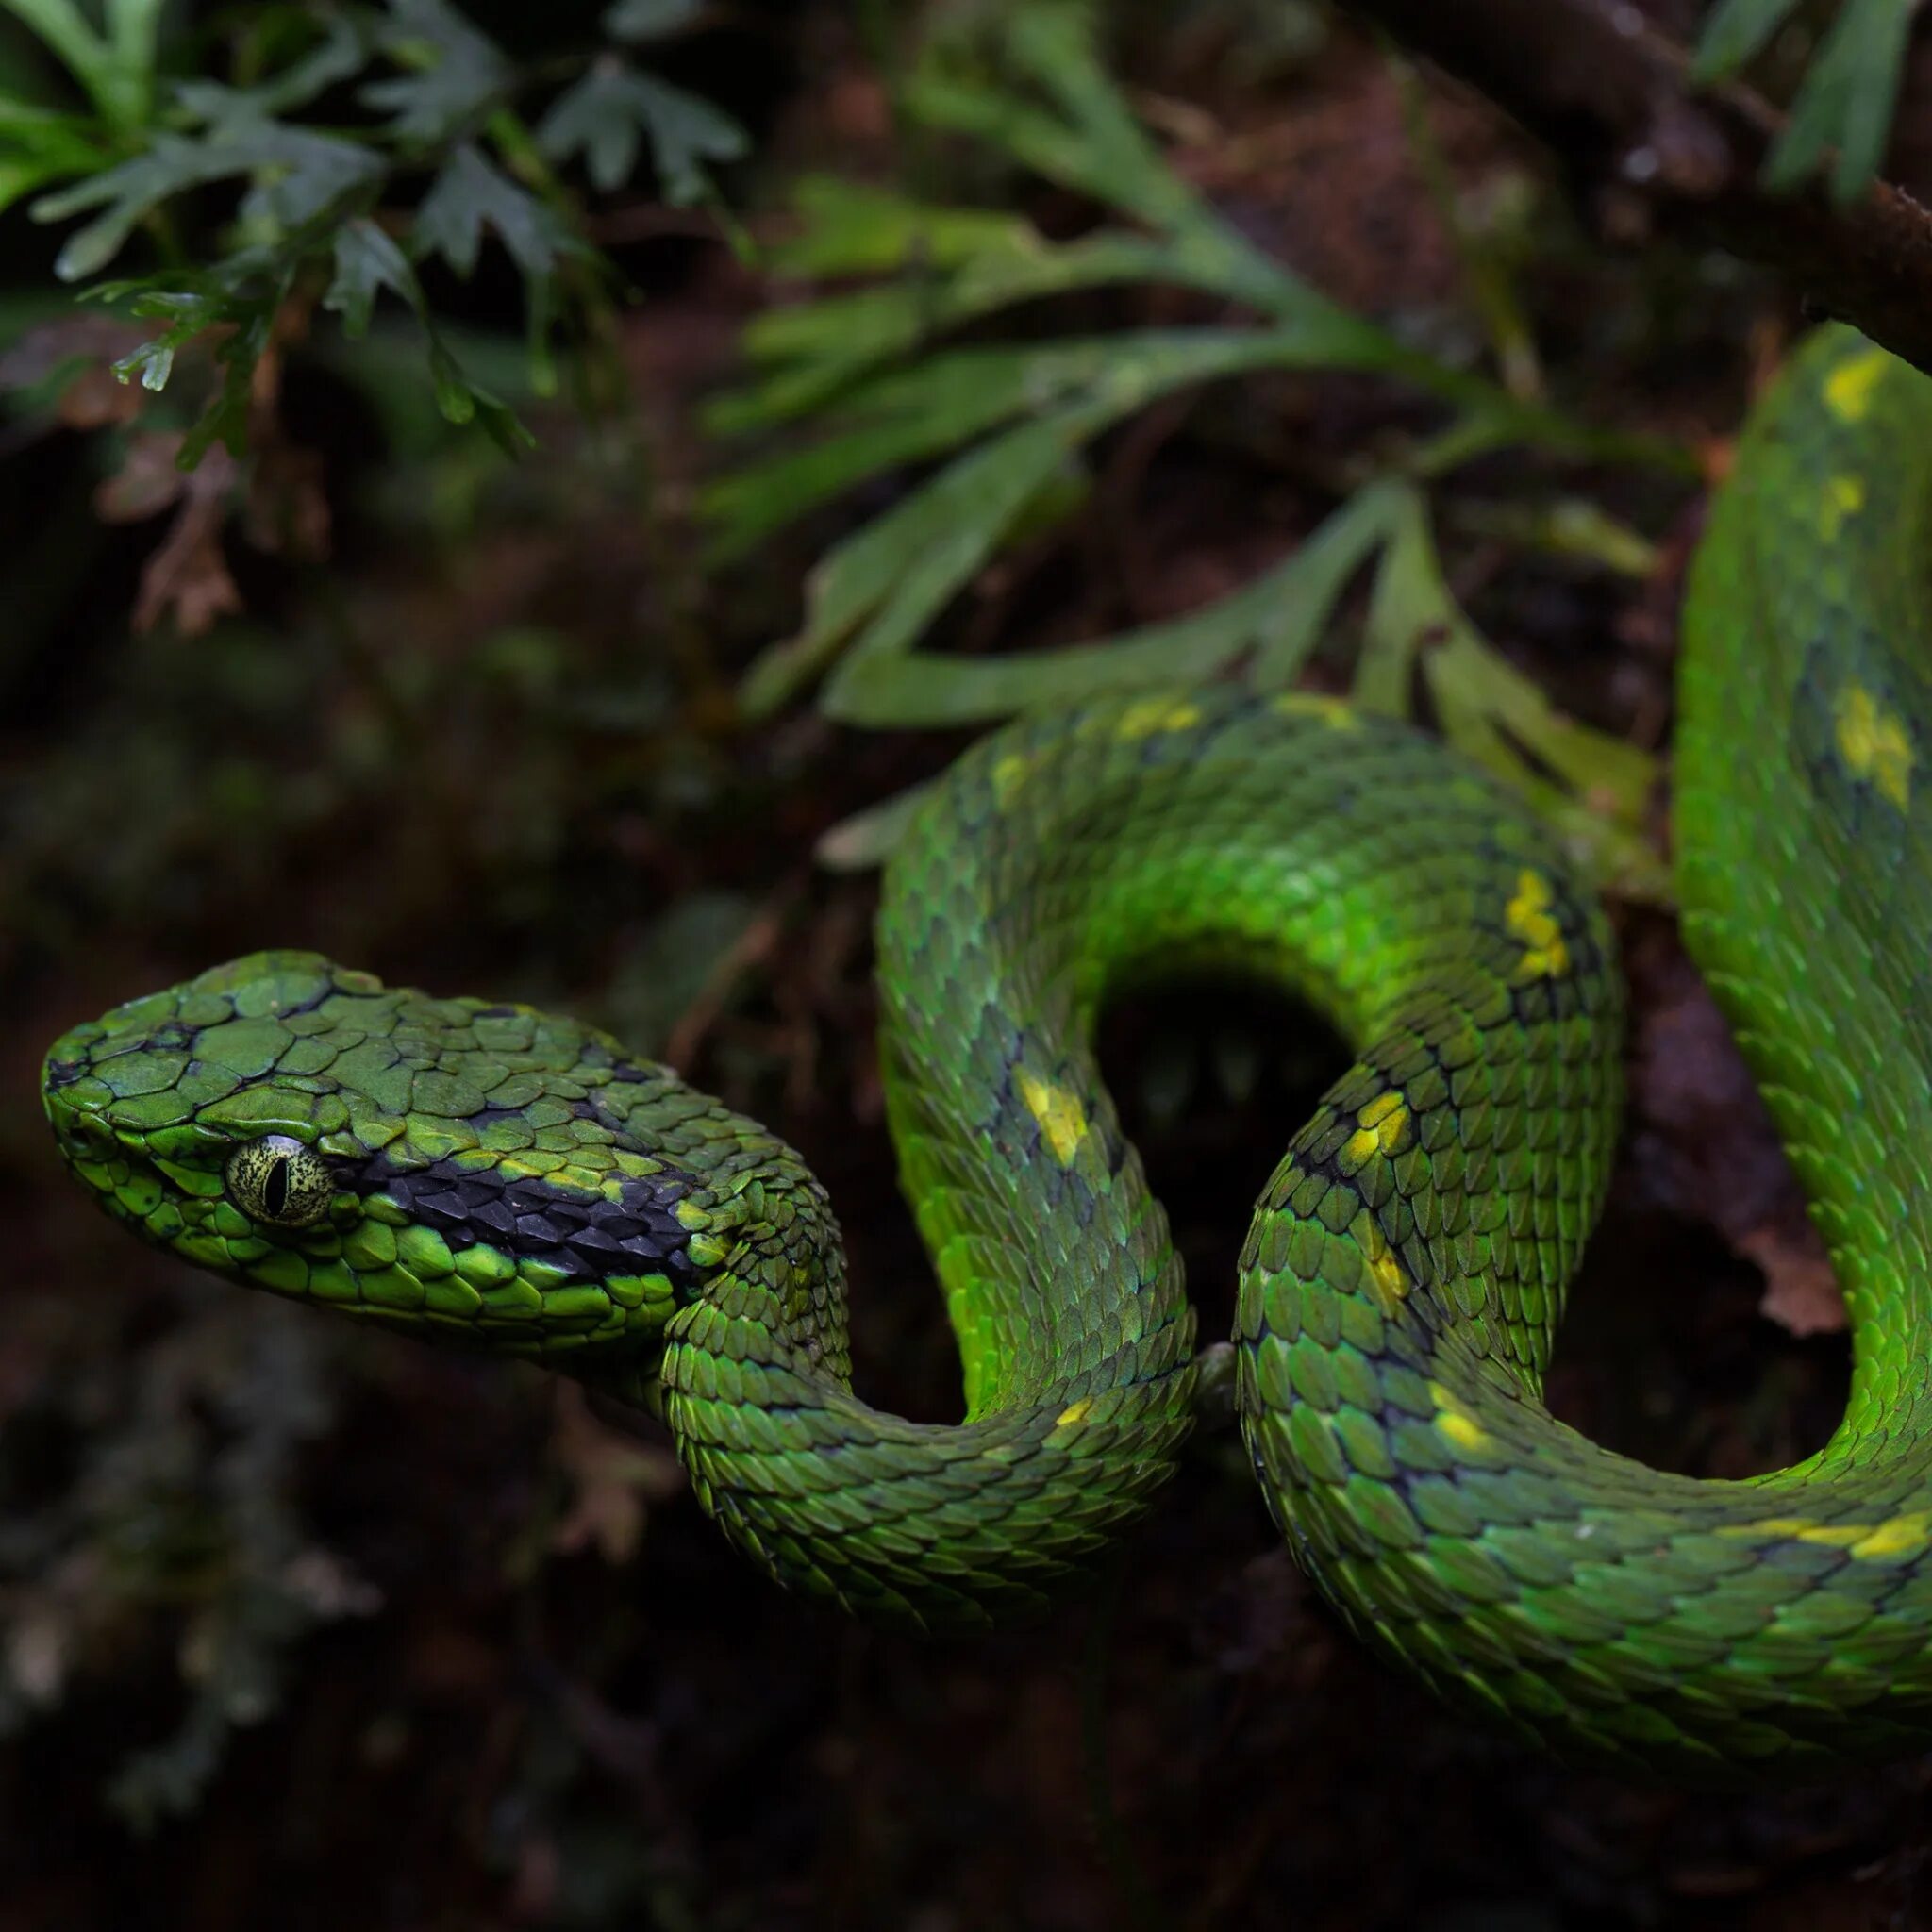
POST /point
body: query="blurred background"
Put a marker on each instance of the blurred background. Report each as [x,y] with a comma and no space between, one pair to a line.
[573,471]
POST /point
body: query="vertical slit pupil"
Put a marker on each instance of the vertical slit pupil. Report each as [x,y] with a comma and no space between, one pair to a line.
[274,1187]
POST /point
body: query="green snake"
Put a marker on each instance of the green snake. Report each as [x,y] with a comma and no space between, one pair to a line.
[518,1183]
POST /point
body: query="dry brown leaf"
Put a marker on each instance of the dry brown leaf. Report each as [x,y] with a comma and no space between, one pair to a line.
[616,1478]
[188,575]
[97,398]
[1800,1292]
[146,482]
[40,351]
[1706,1145]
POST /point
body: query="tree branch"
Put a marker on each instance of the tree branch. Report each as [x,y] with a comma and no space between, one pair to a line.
[1614,99]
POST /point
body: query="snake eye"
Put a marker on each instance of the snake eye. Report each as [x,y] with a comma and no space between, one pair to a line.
[278,1181]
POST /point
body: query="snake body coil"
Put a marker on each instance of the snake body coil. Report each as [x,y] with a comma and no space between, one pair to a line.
[488,1174]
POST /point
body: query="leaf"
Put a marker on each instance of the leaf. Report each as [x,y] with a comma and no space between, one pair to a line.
[867,838]
[470,194]
[186,575]
[650,20]
[116,83]
[462,400]
[879,589]
[897,573]
[1322,568]
[598,119]
[815,350]
[238,352]
[148,481]
[238,300]
[912,414]
[1801,1289]
[1568,526]
[1092,143]
[343,50]
[1846,101]
[856,228]
[457,72]
[66,31]
[686,131]
[367,260]
[38,146]
[1489,710]
[950,399]
[301,176]
[614,1478]
[188,578]
[236,303]
[134,32]
[1275,620]
[1593,789]
[609,113]
[129,194]
[1707,1149]
[1736,32]
[1095,145]
[189,314]
[304,174]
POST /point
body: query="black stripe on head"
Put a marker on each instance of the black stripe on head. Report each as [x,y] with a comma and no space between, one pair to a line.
[588,1238]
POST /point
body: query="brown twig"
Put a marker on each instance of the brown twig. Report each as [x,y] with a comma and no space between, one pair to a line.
[1614,98]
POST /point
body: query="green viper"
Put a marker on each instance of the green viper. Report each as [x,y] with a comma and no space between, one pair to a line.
[496,1177]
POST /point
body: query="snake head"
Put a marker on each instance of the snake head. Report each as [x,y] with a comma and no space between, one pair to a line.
[479,1173]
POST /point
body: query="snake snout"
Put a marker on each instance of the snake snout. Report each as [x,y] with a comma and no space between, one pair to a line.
[74,1116]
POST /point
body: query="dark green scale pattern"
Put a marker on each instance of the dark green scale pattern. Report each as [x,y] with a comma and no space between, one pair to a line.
[513,1182]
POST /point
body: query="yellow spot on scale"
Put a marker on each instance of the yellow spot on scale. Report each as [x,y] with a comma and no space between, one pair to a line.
[1848,388]
[1896,1536]
[1874,743]
[1379,1128]
[1387,1114]
[1831,1536]
[1337,713]
[1844,496]
[1009,775]
[1152,715]
[1528,916]
[1073,1413]
[1384,1269]
[513,1168]
[1456,1422]
[1062,1119]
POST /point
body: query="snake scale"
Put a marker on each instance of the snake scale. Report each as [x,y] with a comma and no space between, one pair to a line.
[490,1175]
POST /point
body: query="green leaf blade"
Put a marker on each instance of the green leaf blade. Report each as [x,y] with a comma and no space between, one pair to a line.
[368,261]
[470,194]
[1736,33]
[455,73]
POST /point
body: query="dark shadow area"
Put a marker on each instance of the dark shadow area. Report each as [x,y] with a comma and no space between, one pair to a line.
[1212,1076]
